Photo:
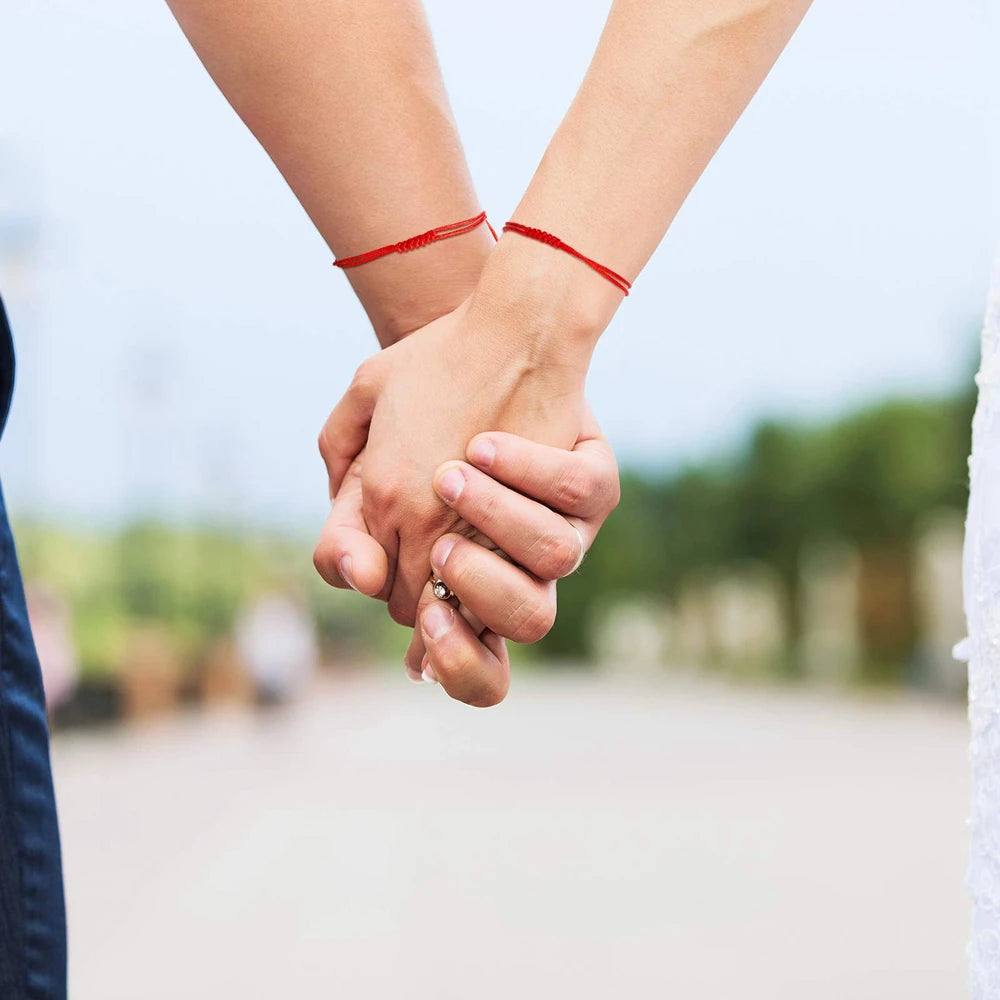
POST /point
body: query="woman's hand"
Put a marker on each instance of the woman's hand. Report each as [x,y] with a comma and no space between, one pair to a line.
[515,491]
[417,404]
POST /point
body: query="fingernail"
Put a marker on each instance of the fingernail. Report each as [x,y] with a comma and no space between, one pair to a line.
[441,551]
[345,572]
[414,675]
[437,620]
[450,485]
[482,453]
[428,675]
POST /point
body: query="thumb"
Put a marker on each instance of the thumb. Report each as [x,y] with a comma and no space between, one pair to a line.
[346,554]
[346,429]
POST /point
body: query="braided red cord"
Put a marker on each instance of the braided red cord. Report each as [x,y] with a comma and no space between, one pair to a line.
[415,242]
[623,284]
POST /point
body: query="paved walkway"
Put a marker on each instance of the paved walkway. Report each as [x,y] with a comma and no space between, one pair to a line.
[590,839]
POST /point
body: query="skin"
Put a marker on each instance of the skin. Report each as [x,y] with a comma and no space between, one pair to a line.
[285,68]
[525,496]
[346,98]
[667,82]
[542,396]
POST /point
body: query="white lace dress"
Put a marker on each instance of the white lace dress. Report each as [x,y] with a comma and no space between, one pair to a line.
[982,649]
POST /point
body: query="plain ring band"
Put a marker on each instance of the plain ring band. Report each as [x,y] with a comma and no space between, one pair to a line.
[583,548]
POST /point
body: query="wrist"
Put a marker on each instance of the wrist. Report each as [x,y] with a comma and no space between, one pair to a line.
[403,292]
[552,299]
[412,308]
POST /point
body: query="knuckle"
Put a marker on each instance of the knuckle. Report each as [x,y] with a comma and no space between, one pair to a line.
[365,377]
[615,495]
[609,493]
[487,509]
[327,445]
[572,489]
[476,688]
[531,620]
[378,494]
[557,556]
[485,697]
[464,576]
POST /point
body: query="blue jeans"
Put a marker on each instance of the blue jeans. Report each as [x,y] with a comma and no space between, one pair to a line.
[32,911]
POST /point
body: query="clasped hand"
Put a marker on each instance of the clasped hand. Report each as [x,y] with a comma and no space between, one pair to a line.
[406,504]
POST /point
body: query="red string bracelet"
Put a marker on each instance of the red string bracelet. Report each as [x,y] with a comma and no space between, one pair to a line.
[415,242]
[622,284]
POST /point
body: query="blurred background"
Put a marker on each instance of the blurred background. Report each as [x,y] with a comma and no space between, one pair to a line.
[737,762]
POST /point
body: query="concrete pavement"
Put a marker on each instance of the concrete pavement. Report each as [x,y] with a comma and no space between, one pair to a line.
[591,838]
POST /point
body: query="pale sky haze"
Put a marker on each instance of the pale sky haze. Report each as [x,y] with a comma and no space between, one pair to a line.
[181,334]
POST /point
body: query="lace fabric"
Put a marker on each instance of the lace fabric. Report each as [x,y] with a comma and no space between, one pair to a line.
[982,649]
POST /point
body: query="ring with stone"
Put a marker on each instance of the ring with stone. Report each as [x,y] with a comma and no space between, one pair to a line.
[440,588]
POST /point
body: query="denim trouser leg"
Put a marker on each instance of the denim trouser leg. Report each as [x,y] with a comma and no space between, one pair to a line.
[32,911]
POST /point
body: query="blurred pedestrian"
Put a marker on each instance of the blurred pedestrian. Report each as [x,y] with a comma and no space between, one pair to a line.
[277,643]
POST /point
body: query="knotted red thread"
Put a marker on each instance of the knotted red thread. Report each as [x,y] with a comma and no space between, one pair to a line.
[622,284]
[415,242]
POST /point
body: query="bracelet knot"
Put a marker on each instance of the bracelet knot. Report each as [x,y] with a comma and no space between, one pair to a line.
[416,242]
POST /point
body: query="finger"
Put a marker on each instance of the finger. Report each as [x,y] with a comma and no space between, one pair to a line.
[416,650]
[508,600]
[582,482]
[475,622]
[412,563]
[346,429]
[543,542]
[346,555]
[473,670]
[411,578]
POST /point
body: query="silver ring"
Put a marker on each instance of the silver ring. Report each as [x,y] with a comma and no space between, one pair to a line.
[440,588]
[583,548]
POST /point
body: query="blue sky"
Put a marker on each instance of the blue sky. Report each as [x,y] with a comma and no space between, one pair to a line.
[182,335]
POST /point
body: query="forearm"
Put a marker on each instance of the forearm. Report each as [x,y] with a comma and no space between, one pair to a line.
[668,81]
[347,99]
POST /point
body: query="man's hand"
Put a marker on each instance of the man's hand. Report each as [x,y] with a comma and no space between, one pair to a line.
[528,498]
